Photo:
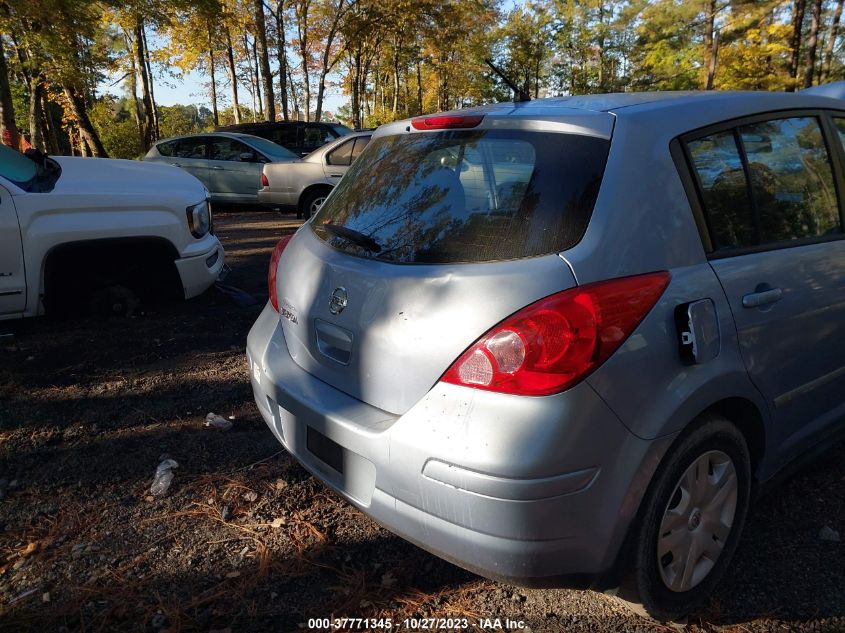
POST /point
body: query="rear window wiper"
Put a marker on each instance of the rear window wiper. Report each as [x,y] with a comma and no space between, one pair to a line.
[356,237]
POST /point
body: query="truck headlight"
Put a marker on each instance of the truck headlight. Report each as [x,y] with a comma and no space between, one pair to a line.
[199,219]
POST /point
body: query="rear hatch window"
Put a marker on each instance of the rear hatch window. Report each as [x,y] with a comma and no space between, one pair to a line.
[465,196]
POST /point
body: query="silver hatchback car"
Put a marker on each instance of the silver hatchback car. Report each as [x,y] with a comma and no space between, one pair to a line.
[563,341]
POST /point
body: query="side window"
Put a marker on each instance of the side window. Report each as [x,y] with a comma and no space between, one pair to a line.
[223,148]
[341,156]
[791,179]
[724,190]
[791,194]
[286,137]
[166,149]
[360,143]
[315,136]
[192,147]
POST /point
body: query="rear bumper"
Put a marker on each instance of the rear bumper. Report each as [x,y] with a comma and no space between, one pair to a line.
[528,490]
[198,272]
[271,198]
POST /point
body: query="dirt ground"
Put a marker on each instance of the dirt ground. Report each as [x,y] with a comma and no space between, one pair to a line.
[246,540]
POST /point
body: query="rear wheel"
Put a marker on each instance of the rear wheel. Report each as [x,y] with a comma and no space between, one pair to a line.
[691,521]
[312,202]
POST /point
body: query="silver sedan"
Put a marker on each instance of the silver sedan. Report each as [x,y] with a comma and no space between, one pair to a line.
[305,184]
[227,163]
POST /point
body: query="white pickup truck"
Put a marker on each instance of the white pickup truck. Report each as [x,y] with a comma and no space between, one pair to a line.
[72,227]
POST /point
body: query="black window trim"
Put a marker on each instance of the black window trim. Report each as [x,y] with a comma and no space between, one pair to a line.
[689,176]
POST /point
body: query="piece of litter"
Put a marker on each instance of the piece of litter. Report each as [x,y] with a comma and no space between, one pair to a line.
[233,574]
[250,496]
[278,522]
[45,597]
[23,596]
[163,477]
[217,422]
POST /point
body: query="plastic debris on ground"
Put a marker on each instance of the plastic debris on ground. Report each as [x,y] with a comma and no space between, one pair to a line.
[163,477]
[217,422]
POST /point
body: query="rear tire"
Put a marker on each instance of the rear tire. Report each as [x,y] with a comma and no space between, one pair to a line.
[312,202]
[691,520]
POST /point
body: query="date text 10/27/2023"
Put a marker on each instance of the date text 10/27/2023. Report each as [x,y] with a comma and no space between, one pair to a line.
[414,624]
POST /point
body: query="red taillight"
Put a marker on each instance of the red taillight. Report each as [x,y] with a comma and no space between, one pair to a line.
[446,121]
[264,181]
[554,343]
[274,267]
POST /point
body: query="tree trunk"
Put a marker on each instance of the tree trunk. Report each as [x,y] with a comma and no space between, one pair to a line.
[419,85]
[141,65]
[49,124]
[36,136]
[264,61]
[233,77]
[133,89]
[211,69]
[827,58]
[253,77]
[356,89]
[294,95]
[8,128]
[258,78]
[711,39]
[149,67]
[281,53]
[395,77]
[795,41]
[302,31]
[812,42]
[86,130]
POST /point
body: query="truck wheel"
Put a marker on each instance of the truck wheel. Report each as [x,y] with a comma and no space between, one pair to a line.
[691,520]
[114,301]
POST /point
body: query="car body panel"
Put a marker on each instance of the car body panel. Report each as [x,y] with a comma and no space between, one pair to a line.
[287,182]
[793,348]
[105,199]
[229,180]
[300,137]
[388,465]
[472,475]
[12,271]
[394,313]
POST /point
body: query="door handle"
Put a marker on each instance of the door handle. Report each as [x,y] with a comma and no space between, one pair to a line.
[336,175]
[175,164]
[762,297]
[216,168]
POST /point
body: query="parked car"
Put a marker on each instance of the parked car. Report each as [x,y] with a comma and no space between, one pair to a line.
[564,340]
[304,185]
[79,230]
[300,137]
[228,164]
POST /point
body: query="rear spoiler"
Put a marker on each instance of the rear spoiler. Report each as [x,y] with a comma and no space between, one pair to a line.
[835,90]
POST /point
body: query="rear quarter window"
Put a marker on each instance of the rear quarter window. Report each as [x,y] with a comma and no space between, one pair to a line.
[465,196]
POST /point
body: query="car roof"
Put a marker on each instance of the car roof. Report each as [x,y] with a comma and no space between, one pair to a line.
[235,135]
[672,111]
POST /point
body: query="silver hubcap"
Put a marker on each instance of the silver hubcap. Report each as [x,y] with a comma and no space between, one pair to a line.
[315,206]
[697,521]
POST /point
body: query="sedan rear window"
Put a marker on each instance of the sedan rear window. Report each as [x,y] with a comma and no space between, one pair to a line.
[465,196]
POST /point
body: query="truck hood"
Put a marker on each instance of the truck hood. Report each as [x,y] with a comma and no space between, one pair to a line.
[125,177]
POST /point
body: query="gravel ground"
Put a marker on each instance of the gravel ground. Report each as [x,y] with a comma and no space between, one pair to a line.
[246,540]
